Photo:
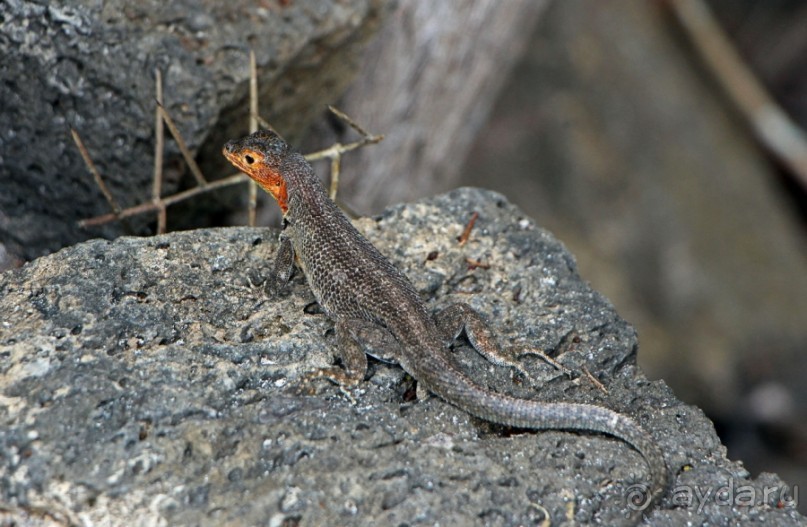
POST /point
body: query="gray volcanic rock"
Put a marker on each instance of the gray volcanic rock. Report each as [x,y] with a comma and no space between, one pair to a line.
[150,381]
[91,66]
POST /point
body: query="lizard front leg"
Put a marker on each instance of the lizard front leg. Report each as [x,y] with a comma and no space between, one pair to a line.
[357,338]
[283,266]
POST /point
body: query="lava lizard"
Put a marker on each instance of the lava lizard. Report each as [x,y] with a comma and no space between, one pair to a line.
[371,301]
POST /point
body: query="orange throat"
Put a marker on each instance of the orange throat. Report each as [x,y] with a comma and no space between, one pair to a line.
[266,177]
[274,184]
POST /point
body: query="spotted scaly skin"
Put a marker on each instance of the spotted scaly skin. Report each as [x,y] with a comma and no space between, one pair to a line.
[358,287]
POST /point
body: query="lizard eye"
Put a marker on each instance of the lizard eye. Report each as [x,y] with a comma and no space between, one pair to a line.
[249,159]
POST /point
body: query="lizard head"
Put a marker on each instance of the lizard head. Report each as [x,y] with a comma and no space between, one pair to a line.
[260,156]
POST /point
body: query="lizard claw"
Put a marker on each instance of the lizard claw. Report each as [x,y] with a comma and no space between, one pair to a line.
[336,375]
[275,287]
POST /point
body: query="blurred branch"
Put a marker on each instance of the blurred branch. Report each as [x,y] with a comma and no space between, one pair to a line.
[769,122]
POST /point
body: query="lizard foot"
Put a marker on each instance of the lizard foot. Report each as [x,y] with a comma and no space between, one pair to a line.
[336,375]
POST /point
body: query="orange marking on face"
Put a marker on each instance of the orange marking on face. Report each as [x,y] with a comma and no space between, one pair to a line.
[251,163]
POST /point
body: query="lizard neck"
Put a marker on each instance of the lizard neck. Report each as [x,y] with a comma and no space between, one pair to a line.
[306,195]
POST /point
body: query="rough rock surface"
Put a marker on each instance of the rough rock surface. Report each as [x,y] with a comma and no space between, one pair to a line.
[149,381]
[90,65]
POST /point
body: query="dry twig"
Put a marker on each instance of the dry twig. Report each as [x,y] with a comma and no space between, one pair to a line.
[476,264]
[252,205]
[186,153]
[159,204]
[164,202]
[546,358]
[335,151]
[466,233]
[595,381]
[159,145]
[94,171]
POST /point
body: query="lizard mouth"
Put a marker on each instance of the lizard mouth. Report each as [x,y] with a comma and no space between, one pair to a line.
[252,164]
[246,162]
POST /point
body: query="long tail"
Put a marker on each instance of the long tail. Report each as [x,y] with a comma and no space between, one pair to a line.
[452,385]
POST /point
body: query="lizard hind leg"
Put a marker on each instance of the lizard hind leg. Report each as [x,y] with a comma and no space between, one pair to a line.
[459,317]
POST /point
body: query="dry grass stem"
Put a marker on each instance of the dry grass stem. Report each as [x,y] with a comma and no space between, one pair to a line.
[263,122]
[252,202]
[335,151]
[186,153]
[165,202]
[159,204]
[159,138]
[336,163]
[595,381]
[94,171]
[162,218]
[342,115]
[159,146]
[466,233]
